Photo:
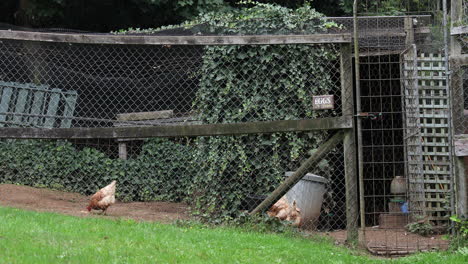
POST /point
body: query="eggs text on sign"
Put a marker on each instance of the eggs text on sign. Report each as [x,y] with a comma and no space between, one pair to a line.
[323,102]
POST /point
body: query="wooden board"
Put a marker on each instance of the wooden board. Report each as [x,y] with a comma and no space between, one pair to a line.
[20,105]
[462,30]
[461,145]
[70,104]
[6,93]
[332,123]
[174,40]
[52,108]
[145,115]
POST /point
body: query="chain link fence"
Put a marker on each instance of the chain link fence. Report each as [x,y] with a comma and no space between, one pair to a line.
[128,113]
[78,86]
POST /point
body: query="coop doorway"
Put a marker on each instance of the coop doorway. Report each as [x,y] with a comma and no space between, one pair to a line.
[382,133]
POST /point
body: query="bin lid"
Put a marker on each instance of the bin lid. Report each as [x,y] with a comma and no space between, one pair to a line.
[309,177]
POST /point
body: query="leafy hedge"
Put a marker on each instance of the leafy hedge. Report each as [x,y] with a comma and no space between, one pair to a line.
[158,173]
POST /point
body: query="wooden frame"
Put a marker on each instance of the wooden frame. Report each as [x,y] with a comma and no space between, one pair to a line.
[457,60]
[174,40]
[331,123]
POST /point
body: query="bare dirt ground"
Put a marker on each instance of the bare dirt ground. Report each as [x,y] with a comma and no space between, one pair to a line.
[45,200]
[394,242]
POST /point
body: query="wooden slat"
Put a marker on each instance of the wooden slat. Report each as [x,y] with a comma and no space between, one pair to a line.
[174,40]
[70,103]
[37,106]
[20,104]
[52,109]
[181,131]
[145,115]
[7,92]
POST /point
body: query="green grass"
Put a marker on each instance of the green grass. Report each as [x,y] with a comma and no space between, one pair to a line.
[30,237]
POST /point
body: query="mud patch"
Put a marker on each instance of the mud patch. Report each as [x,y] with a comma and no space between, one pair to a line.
[45,200]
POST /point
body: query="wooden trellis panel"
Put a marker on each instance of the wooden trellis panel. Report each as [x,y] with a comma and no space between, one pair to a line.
[434,125]
[412,132]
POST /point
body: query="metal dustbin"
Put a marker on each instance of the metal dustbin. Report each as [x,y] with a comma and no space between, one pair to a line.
[308,193]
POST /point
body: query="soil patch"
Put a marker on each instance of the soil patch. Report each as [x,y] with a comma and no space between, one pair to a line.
[46,200]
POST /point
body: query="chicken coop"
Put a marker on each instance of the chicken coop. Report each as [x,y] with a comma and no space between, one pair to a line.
[209,123]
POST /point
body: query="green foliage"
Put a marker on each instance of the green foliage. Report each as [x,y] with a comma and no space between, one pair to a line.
[421,228]
[262,223]
[160,172]
[246,83]
[461,225]
[253,18]
[389,7]
[461,233]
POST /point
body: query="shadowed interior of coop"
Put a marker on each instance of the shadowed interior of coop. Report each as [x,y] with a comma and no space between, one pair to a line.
[382,136]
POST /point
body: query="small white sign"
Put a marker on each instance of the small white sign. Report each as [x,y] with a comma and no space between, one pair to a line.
[323,102]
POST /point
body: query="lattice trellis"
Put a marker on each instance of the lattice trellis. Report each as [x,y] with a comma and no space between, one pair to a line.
[412,131]
[434,125]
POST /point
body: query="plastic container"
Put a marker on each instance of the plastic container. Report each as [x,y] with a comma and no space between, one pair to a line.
[308,193]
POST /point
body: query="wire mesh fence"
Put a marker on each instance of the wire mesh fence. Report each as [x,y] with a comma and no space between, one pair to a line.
[405,124]
[99,85]
[215,178]
[405,111]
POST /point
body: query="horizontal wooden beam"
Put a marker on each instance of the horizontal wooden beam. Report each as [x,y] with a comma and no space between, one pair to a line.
[174,40]
[331,123]
[459,60]
[461,145]
[462,30]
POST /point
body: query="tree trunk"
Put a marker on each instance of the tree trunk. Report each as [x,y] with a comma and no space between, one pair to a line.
[21,16]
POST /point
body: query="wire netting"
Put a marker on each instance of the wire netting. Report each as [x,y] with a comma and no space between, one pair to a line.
[406,131]
[214,178]
[407,121]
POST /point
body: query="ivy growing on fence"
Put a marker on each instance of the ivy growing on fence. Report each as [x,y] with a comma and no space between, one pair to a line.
[274,82]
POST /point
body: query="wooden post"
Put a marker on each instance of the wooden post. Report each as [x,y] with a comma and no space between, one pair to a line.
[456,80]
[456,86]
[462,201]
[456,10]
[349,144]
[358,120]
[123,150]
[299,173]
[409,30]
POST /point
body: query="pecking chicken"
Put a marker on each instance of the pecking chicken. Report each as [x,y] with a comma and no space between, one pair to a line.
[284,211]
[103,198]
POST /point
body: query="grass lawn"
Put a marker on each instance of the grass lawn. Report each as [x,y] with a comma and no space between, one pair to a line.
[30,237]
